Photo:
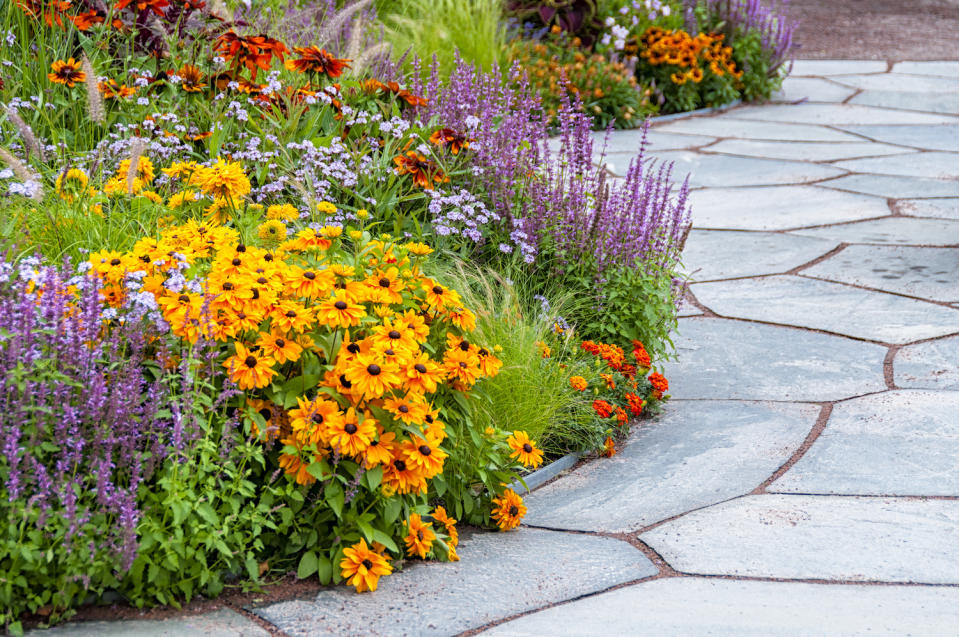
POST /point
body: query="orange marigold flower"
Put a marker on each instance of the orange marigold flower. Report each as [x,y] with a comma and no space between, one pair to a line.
[636,403]
[508,510]
[578,383]
[316,60]
[362,567]
[659,383]
[603,408]
[609,448]
[641,355]
[621,416]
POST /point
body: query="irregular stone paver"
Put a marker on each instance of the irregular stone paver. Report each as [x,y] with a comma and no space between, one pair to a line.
[895,187]
[697,453]
[925,137]
[943,69]
[893,231]
[805,151]
[685,308]
[817,537]
[932,365]
[724,359]
[715,170]
[723,127]
[794,300]
[897,443]
[629,141]
[940,208]
[932,165]
[718,254]
[701,606]
[812,89]
[836,115]
[780,208]
[499,574]
[218,623]
[928,273]
[899,82]
[837,67]
[926,102]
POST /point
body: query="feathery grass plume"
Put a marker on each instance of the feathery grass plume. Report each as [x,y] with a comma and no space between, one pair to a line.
[26,133]
[21,171]
[137,146]
[331,27]
[95,108]
[363,60]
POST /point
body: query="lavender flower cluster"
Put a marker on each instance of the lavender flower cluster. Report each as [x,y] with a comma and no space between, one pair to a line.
[81,418]
[560,200]
[775,28]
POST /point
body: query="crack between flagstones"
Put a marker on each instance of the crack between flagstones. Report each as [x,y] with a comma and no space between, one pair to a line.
[811,437]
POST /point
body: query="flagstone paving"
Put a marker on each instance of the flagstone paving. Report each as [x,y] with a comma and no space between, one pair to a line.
[803,479]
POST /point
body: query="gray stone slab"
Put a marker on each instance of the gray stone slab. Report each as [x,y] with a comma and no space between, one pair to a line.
[931,365]
[925,102]
[711,606]
[892,231]
[894,187]
[726,127]
[935,137]
[942,69]
[712,171]
[831,307]
[927,273]
[805,151]
[628,141]
[837,67]
[717,254]
[499,574]
[931,165]
[817,537]
[811,89]
[724,359]
[836,115]
[941,208]
[780,208]
[685,308]
[698,453]
[899,82]
[902,442]
[218,623]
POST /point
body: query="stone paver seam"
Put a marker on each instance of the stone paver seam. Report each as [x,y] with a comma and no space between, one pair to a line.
[859,286]
[813,435]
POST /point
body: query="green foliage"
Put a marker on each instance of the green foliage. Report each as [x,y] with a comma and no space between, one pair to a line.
[443,29]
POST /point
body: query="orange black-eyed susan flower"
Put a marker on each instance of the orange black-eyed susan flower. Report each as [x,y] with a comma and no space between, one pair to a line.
[524,449]
[315,60]
[508,510]
[420,536]
[83,21]
[222,180]
[424,454]
[253,52]
[312,420]
[67,72]
[449,524]
[402,478]
[372,376]
[451,139]
[380,451]
[340,311]
[424,171]
[112,90]
[280,347]
[156,6]
[363,567]
[249,369]
[191,78]
[350,435]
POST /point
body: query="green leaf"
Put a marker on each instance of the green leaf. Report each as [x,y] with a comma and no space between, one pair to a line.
[334,497]
[374,477]
[324,570]
[309,564]
[385,540]
[207,513]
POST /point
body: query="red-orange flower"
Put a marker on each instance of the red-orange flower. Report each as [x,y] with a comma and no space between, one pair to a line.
[313,59]
[636,403]
[603,408]
[609,448]
[449,138]
[659,383]
[641,355]
[156,6]
[252,51]
[84,21]
[423,170]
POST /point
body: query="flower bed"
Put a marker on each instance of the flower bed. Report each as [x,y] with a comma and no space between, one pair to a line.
[276,306]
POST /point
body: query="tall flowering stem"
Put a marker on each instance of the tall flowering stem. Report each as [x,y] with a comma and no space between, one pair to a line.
[770,21]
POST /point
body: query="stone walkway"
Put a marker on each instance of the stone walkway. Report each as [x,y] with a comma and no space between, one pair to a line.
[805,478]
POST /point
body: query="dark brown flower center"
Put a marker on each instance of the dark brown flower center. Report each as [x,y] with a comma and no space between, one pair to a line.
[115,262]
[420,367]
[250,361]
[353,348]
[463,365]
[262,280]
[228,286]
[280,342]
[241,248]
[340,305]
[309,275]
[236,262]
[368,564]
[399,465]
[317,418]
[513,510]
[345,382]
[291,314]
[373,369]
[350,428]
[425,450]
[266,413]
[394,334]
[429,419]
[437,289]
[465,346]
[403,409]
[384,282]
[528,448]
[183,298]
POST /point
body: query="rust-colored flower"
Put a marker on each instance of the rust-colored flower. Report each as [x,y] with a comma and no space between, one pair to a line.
[156,6]
[406,96]
[609,448]
[50,11]
[423,170]
[112,90]
[254,52]
[602,408]
[313,59]
[67,72]
[191,78]
[84,21]
[449,138]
